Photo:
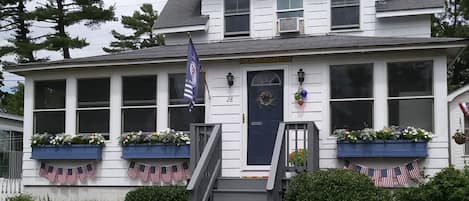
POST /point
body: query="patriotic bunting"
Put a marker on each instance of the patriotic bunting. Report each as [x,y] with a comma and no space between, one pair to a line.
[464,108]
[64,176]
[158,174]
[387,177]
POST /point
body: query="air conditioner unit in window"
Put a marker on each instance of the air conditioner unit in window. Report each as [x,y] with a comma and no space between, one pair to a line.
[289,25]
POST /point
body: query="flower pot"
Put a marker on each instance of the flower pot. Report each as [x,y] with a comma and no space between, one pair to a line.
[67,152]
[460,139]
[382,149]
[154,151]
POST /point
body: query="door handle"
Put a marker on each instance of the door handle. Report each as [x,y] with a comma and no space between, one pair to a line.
[243,118]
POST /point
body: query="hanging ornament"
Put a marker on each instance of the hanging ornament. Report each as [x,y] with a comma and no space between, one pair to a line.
[300,96]
[301,102]
[303,93]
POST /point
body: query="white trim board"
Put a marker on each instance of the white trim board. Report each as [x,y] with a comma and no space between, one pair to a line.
[399,13]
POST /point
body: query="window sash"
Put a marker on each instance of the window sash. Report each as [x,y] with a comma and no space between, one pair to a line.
[103,133]
[135,97]
[59,112]
[410,99]
[342,25]
[93,103]
[42,104]
[367,101]
[148,109]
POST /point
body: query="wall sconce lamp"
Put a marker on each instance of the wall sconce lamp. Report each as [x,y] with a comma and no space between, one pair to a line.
[230,79]
[301,76]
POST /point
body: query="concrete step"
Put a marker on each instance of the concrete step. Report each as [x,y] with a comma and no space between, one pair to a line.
[239,195]
[241,183]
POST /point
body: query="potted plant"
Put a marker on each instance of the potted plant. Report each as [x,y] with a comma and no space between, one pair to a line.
[459,137]
[167,143]
[391,142]
[67,147]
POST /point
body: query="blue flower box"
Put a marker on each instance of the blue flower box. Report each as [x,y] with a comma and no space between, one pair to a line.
[382,149]
[147,151]
[67,152]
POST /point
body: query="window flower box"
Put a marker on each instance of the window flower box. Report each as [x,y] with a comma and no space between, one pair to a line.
[67,152]
[155,151]
[382,149]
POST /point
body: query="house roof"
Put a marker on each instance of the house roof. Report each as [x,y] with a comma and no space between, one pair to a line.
[180,13]
[307,45]
[398,5]
[453,95]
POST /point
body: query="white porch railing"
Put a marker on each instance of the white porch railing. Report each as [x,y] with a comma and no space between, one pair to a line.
[10,188]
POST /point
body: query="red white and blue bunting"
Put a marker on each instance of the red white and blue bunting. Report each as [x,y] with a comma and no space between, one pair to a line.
[388,177]
[464,108]
[159,174]
[68,175]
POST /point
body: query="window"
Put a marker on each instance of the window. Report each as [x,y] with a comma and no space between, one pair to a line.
[93,106]
[345,14]
[179,115]
[236,18]
[410,90]
[49,106]
[351,96]
[139,103]
[289,8]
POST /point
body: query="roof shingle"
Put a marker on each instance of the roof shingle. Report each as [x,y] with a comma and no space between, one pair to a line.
[250,47]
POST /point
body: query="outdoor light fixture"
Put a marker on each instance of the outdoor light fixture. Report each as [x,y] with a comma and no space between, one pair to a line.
[301,76]
[230,79]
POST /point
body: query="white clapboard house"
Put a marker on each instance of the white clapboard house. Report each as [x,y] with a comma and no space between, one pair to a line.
[363,63]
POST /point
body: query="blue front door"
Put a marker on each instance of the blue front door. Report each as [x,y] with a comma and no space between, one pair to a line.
[265,112]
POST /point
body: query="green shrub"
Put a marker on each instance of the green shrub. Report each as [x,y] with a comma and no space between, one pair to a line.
[334,185]
[22,197]
[158,193]
[449,185]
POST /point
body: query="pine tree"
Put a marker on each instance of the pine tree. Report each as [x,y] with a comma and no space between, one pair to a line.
[64,13]
[142,25]
[454,23]
[15,18]
[12,103]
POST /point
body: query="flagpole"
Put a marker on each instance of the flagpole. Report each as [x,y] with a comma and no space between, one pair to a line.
[201,70]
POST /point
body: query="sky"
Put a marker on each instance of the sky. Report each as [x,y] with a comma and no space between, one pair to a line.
[97,37]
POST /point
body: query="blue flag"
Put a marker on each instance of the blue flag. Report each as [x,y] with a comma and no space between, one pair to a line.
[192,75]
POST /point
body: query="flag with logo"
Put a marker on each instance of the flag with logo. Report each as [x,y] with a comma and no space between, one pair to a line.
[401,175]
[155,174]
[81,174]
[387,178]
[465,108]
[413,169]
[192,75]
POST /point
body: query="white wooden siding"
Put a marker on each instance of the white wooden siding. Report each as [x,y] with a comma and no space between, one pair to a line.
[226,106]
[317,21]
[456,120]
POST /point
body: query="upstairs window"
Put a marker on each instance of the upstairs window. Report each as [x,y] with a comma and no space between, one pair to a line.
[93,106]
[351,96]
[410,90]
[289,8]
[49,106]
[236,18]
[139,104]
[345,14]
[179,115]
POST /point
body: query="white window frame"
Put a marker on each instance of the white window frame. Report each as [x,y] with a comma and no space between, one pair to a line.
[154,106]
[35,111]
[348,26]
[78,108]
[432,97]
[372,98]
[184,105]
[239,33]
[289,9]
